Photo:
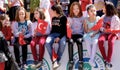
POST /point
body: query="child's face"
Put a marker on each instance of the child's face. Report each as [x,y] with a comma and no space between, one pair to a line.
[6,22]
[22,15]
[76,10]
[92,11]
[53,13]
[36,15]
[104,10]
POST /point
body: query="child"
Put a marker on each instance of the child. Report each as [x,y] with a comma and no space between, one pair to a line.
[38,38]
[58,34]
[21,27]
[6,27]
[3,52]
[110,22]
[76,23]
[90,36]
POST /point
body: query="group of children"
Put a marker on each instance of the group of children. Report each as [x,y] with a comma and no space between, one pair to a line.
[23,32]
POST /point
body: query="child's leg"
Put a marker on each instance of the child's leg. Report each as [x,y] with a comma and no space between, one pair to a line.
[80,49]
[25,50]
[16,51]
[70,49]
[88,46]
[61,48]
[33,49]
[24,53]
[2,65]
[49,43]
[101,41]
[94,49]
[111,40]
[41,47]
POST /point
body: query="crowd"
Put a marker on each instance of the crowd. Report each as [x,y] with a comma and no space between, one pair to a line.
[58,21]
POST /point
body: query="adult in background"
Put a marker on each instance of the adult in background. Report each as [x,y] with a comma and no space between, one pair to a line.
[84,3]
[99,4]
[2,6]
[64,4]
[13,6]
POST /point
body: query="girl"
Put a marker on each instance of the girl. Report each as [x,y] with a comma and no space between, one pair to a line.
[38,38]
[57,35]
[21,27]
[90,36]
[76,23]
[111,22]
[6,27]
[3,51]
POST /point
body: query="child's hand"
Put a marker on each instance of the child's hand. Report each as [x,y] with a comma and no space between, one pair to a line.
[23,31]
[57,40]
[93,35]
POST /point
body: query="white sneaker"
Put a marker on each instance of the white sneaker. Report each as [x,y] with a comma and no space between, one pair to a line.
[55,65]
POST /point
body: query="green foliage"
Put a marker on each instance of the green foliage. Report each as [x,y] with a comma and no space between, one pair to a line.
[34,4]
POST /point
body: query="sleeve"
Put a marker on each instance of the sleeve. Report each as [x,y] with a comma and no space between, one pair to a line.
[48,29]
[115,23]
[29,23]
[15,29]
[70,21]
[63,21]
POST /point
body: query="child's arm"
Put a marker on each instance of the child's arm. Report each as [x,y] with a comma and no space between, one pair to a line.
[95,33]
[86,29]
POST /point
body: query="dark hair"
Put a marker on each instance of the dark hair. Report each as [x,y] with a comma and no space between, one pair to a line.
[89,6]
[58,9]
[110,9]
[71,9]
[41,13]
[2,17]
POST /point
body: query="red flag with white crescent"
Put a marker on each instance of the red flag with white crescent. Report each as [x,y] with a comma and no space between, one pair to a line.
[42,26]
[69,30]
[98,25]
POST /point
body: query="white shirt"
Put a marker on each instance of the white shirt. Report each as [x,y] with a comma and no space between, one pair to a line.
[16,4]
[2,2]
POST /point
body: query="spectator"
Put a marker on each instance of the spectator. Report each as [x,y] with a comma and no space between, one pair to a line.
[38,37]
[91,36]
[76,24]
[111,22]
[13,6]
[57,35]
[21,28]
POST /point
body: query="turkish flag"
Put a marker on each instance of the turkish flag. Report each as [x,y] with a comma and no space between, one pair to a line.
[69,30]
[21,39]
[98,25]
[42,26]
